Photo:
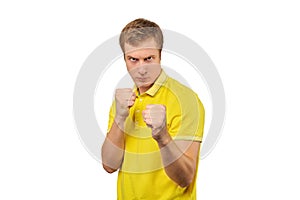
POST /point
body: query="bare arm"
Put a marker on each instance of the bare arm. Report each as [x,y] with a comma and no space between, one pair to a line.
[113,146]
[179,157]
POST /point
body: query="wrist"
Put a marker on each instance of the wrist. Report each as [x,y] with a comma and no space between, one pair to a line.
[162,137]
[120,120]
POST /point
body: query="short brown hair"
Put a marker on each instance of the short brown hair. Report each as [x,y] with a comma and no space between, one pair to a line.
[140,30]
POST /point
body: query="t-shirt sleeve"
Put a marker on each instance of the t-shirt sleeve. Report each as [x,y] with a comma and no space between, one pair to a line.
[112,113]
[186,118]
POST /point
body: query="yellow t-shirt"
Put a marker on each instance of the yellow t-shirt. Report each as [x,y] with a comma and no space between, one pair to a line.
[142,174]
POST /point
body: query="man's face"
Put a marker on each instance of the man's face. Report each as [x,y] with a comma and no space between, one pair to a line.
[143,63]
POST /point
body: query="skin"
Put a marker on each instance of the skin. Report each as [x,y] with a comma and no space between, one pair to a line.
[143,64]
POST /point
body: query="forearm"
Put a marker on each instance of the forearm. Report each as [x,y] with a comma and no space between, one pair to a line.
[178,166]
[113,147]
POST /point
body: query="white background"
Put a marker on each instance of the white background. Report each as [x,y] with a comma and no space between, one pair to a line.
[254,44]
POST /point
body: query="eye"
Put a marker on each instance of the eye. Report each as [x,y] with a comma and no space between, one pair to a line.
[132,59]
[149,58]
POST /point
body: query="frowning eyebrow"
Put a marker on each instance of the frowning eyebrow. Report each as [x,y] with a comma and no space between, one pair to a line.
[129,57]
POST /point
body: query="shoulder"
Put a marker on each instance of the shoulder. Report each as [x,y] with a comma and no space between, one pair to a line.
[185,96]
[179,89]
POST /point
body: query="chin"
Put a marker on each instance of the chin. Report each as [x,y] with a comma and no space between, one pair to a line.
[143,85]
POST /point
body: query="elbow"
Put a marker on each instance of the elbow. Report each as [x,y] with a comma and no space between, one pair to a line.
[109,169]
[185,183]
[187,180]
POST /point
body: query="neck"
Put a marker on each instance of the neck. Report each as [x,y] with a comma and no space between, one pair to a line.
[142,90]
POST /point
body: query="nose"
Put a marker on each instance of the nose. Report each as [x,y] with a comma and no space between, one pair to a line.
[142,70]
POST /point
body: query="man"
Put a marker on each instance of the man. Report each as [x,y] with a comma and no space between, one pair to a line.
[156,128]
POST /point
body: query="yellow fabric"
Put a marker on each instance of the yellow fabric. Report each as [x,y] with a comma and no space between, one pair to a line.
[142,175]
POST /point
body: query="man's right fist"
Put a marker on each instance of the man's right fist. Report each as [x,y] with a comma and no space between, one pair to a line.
[125,98]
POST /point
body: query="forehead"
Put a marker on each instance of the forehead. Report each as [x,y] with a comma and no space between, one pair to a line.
[145,47]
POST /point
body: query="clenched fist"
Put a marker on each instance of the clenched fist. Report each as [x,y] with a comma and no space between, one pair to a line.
[125,98]
[155,117]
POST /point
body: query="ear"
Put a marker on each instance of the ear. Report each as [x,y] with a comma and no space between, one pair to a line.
[159,54]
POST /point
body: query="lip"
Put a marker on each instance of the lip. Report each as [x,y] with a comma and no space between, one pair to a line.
[141,79]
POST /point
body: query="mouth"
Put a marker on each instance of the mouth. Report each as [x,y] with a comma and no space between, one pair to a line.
[141,79]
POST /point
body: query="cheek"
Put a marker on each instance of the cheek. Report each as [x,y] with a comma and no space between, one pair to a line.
[131,69]
[157,60]
[155,69]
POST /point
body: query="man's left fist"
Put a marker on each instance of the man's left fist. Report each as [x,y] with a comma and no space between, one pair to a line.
[155,117]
